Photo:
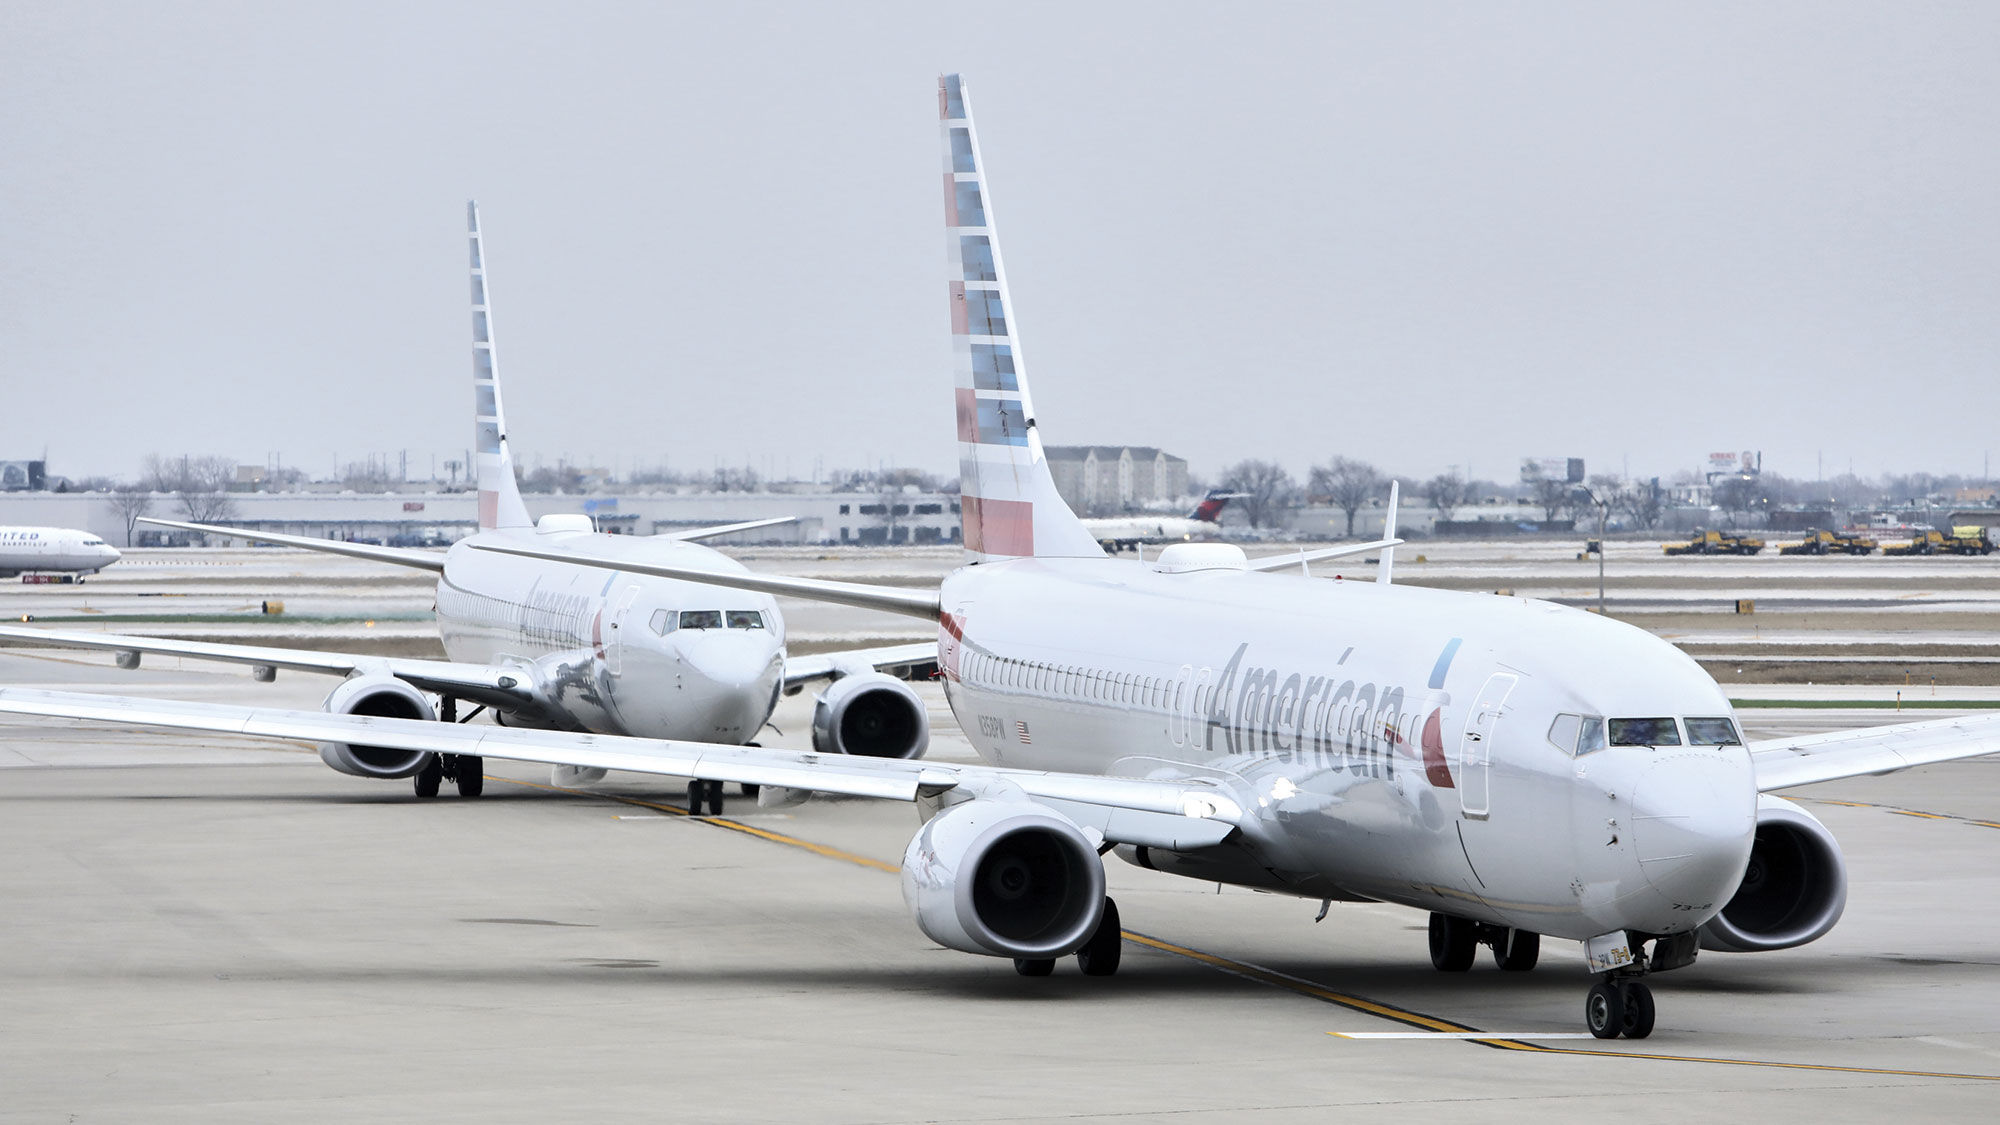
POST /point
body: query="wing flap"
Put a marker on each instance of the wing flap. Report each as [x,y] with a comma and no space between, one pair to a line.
[1784,762]
[395,556]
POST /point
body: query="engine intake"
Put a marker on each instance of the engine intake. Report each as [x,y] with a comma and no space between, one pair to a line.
[1793,891]
[389,698]
[871,716]
[1005,879]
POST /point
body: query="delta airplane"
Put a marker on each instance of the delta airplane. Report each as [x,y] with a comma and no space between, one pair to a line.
[53,550]
[1125,533]
[547,644]
[1515,768]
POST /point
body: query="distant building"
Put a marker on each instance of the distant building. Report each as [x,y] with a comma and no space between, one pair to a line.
[1096,479]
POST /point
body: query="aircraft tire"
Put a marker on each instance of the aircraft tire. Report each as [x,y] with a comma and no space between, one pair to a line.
[470,775]
[1454,943]
[1034,966]
[1099,956]
[1604,1010]
[427,780]
[1518,951]
[1639,1012]
[715,798]
[697,790]
[749,790]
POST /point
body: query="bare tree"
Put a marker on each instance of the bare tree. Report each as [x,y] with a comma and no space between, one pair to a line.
[1347,484]
[1268,491]
[1447,492]
[131,502]
[1552,496]
[198,484]
[1644,501]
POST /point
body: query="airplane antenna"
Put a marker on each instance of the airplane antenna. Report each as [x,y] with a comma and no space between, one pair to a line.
[1389,532]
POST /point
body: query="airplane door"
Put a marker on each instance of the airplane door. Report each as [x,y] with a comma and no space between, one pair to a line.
[1475,749]
[614,654]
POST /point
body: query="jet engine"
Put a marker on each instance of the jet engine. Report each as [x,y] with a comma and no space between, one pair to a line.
[376,695]
[871,715]
[1004,878]
[1792,892]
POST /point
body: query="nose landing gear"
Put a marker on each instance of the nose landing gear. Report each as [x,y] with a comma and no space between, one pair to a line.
[1619,1006]
[1620,1003]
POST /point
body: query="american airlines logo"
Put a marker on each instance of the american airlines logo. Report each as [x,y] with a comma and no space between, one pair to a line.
[1347,725]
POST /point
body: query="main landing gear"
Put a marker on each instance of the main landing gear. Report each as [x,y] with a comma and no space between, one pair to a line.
[466,771]
[1098,957]
[1455,944]
[704,793]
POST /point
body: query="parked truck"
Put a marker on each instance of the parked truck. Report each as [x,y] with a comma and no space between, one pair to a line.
[1715,543]
[1819,542]
[1967,540]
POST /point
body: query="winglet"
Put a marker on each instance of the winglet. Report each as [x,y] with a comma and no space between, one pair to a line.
[499,497]
[1389,533]
[1009,504]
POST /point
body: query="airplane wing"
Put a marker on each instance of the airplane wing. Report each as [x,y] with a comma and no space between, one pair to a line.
[1280,562]
[693,534]
[397,556]
[481,683]
[889,599]
[1162,814]
[1784,762]
[902,661]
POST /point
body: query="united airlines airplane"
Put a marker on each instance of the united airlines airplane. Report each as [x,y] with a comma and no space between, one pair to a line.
[1516,769]
[552,645]
[53,550]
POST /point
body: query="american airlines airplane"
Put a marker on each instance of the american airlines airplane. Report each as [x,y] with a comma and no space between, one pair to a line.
[1516,769]
[53,550]
[548,644]
[1125,533]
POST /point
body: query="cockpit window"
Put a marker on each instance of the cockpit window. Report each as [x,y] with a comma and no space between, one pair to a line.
[1592,737]
[1562,732]
[1712,732]
[1644,732]
[745,619]
[701,619]
[93,542]
[663,621]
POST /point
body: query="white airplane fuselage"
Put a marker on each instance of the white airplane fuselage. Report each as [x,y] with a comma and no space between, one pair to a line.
[52,550]
[1152,529]
[1389,750]
[618,653]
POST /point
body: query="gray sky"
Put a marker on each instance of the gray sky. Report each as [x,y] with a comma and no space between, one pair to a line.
[1423,235]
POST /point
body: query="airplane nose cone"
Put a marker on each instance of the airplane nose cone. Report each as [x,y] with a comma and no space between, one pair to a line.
[732,662]
[1694,817]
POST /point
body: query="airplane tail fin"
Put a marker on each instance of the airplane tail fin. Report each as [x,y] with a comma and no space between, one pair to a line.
[1211,505]
[499,496]
[1008,500]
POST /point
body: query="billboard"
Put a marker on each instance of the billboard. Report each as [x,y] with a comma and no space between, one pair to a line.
[1733,464]
[1569,470]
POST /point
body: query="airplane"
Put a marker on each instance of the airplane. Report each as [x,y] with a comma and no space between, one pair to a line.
[1125,533]
[1515,768]
[555,646]
[53,550]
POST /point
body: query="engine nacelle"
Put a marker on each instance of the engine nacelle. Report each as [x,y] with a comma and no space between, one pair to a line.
[1793,891]
[376,695]
[1004,878]
[871,716]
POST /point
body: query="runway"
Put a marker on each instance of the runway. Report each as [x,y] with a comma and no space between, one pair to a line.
[215,929]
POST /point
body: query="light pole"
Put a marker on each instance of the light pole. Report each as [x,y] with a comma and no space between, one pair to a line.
[1603,514]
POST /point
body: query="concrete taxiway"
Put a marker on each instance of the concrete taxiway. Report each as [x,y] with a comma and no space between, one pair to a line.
[204,928]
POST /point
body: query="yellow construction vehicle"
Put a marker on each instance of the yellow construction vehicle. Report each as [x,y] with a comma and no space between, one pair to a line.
[1922,543]
[1830,543]
[1715,543]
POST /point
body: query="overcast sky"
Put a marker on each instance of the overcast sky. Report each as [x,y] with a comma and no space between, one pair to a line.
[1425,235]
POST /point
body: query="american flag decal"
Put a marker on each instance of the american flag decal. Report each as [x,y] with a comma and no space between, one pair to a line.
[1021,728]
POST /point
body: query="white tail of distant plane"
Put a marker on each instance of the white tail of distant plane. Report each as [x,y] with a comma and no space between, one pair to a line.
[1009,502]
[499,497]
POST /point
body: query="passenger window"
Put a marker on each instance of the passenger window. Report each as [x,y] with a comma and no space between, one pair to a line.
[663,621]
[1712,732]
[701,619]
[745,619]
[1563,732]
[1644,732]
[1592,737]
